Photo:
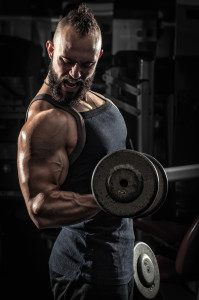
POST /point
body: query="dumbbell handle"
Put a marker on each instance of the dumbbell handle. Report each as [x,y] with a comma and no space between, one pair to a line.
[182,172]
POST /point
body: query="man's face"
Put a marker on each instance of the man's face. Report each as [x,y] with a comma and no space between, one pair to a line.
[70,95]
[73,65]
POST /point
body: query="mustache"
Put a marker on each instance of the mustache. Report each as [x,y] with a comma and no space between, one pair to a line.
[68,78]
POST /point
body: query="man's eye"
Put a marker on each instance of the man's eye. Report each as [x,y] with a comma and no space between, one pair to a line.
[88,65]
[67,62]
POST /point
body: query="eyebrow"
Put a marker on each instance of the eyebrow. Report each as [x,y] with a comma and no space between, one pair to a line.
[83,62]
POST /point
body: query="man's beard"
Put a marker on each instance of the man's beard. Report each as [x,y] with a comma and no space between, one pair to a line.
[71,98]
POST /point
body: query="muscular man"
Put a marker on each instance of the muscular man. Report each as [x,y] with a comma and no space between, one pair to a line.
[92,255]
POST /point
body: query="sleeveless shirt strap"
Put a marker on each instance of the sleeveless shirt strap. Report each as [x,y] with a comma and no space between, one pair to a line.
[129,143]
[79,121]
[103,98]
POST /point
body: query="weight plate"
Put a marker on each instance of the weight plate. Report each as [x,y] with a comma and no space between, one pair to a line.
[146,271]
[124,183]
[162,190]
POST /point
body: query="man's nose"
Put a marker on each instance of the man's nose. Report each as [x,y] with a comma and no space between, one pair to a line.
[75,72]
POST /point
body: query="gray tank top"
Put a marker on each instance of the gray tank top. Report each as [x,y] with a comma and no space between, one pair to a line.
[99,249]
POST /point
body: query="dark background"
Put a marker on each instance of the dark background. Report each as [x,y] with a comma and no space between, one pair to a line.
[169,36]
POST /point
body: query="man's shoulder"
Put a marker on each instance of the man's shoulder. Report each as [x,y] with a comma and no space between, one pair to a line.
[46,131]
[42,111]
[46,124]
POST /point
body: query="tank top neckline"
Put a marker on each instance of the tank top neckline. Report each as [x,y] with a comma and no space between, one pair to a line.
[94,112]
[84,114]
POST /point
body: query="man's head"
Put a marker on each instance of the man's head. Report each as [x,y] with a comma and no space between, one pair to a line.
[74,54]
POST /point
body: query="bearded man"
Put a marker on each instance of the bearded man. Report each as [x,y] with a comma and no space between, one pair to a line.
[69,128]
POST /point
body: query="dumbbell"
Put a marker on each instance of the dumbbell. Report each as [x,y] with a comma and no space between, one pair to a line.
[127,183]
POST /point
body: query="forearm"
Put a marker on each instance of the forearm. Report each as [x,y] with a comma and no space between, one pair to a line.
[61,208]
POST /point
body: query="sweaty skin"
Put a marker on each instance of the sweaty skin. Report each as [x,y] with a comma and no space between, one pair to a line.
[50,135]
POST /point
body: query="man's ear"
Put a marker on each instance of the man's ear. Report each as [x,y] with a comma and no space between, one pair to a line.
[50,48]
[101,52]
